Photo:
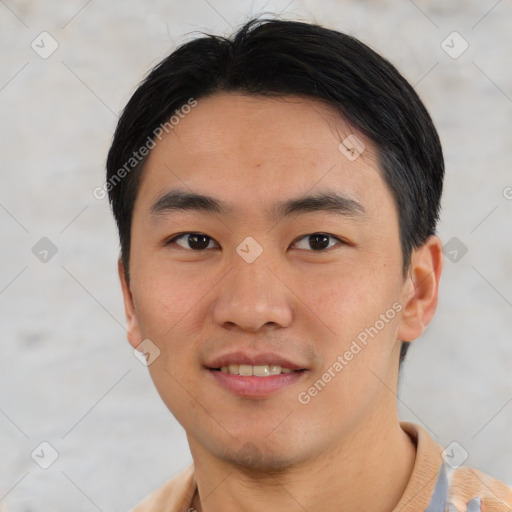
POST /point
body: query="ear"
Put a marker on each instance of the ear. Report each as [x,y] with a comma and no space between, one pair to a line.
[133,329]
[421,288]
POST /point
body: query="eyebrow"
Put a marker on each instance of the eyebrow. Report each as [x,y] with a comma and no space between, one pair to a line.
[180,200]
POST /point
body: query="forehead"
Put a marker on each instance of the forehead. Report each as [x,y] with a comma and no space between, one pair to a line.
[264,123]
[255,149]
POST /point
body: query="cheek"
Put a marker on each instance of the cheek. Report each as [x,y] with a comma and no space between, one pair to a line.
[166,296]
[169,307]
[172,304]
[348,297]
[361,307]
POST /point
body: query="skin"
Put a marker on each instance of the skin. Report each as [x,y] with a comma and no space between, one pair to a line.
[276,453]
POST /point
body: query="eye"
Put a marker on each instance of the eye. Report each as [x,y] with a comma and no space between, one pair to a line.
[317,241]
[194,241]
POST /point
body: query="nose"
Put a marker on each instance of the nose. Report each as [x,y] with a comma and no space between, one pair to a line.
[253,297]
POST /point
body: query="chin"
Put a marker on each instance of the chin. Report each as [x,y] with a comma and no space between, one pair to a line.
[256,458]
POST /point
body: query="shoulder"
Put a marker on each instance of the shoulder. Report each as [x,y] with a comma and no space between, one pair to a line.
[173,496]
[461,489]
[471,490]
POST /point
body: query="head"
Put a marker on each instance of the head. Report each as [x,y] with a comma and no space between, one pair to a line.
[303,148]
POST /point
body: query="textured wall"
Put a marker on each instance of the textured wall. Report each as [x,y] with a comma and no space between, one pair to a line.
[69,378]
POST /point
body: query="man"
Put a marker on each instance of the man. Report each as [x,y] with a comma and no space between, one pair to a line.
[276,196]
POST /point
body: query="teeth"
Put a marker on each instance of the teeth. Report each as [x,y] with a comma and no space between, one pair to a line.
[260,371]
[275,369]
[247,370]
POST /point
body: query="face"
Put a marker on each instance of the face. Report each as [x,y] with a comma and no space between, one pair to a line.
[293,261]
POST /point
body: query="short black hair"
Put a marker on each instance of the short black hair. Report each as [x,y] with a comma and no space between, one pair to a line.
[274,57]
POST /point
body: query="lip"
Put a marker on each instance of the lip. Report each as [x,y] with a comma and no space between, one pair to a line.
[251,386]
[255,387]
[253,359]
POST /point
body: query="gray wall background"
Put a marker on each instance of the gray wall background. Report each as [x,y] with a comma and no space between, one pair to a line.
[69,378]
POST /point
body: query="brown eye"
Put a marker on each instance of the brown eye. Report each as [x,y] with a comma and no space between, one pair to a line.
[317,242]
[194,241]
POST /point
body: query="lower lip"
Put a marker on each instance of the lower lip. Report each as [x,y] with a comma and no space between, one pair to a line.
[256,387]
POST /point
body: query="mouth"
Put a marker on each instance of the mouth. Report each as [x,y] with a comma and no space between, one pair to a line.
[267,375]
[260,370]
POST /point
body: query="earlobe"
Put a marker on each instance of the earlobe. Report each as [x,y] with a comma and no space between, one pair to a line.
[132,323]
[421,289]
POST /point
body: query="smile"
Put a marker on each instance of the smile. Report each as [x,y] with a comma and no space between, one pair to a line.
[246,382]
[261,370]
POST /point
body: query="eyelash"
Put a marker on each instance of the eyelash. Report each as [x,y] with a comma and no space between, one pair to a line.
[182,235]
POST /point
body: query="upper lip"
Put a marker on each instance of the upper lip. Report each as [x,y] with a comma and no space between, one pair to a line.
[253,359]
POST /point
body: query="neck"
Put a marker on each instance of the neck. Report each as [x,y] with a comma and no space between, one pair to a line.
[367,471]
